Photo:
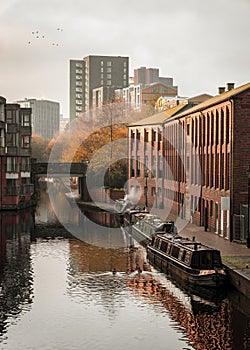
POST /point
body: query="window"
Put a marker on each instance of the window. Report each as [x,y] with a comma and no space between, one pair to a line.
[11,165]
[10,117]
[164,246]
[138,167]
[11,140]
[78,83]
[25,120]
[108,76]
[124,76]
[153,191]
[25,164]
[108,82]
[109,70]
[2,113]
[1,137]
[26,141]
[175,252]
[78,89]
[109,63]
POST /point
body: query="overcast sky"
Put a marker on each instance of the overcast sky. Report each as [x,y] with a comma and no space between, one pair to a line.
[201,44]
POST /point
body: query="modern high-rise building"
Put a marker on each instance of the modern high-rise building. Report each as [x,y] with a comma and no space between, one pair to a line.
[146,87]
[45,116]
[148,76]
[93,81]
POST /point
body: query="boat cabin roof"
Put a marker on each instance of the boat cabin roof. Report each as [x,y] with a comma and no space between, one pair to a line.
[183,242]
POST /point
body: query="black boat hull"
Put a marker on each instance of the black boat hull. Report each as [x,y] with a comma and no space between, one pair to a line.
[186,276]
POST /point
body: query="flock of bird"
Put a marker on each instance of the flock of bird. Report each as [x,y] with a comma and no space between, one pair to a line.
[37,35]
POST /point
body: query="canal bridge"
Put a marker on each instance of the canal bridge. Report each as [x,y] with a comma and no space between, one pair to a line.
[60,169]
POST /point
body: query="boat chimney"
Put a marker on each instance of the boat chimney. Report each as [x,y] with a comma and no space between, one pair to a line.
[221,89]
[230,86]
[193,238]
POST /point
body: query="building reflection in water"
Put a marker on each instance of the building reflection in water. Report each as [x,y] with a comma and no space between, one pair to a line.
[16,230]
[204,324]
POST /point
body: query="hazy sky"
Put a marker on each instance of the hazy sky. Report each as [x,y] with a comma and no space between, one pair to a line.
[201,44]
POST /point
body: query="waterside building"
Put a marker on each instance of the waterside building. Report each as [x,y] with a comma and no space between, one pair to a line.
[191,161]
[15,151]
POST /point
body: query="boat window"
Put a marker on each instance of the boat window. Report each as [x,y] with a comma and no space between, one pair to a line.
[217,259]
[183,255]
[164,246]
[168,228]
[187,257]
[195,260]
[169,248]
[206,261]
[175,251]
[153,240]
[157,243]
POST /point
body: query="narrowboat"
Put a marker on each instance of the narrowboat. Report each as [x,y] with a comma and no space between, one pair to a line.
[142,225]
[187,261]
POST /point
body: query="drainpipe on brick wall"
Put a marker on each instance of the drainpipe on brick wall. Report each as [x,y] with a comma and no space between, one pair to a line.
[231,168]
[179,168]
[201,172]
[1,181]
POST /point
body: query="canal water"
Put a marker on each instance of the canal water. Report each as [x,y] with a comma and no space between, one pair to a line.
[61,293]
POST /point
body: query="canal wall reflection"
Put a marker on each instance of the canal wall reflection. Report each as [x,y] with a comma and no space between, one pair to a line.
[108,274]
[16,281]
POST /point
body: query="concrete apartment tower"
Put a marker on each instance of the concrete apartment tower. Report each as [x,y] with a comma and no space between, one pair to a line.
[148,76]
[45,116]
[93,81]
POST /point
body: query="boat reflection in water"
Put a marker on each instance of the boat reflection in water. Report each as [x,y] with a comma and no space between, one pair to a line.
[205,323]
[106,271]
[16,231]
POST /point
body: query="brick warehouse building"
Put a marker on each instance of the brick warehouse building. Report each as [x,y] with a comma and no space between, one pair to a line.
[15,148]
[198,159]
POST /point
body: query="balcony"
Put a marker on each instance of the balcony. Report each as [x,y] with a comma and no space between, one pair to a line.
[12,191]
[12,151]
[12,128]
[2,151]
[25,130]
[25,152]
[27,189]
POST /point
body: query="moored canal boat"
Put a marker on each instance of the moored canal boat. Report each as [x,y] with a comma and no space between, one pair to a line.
[186,260]
[142,225]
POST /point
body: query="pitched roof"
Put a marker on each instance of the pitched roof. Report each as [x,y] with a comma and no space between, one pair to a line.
[215,100]
[161,117]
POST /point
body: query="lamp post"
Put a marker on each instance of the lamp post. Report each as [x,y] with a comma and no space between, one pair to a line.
[248,208]
[146,187]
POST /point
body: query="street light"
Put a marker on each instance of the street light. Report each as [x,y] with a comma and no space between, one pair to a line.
[146,187]
[248,208]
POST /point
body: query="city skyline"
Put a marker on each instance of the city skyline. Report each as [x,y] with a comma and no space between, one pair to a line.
[202,45]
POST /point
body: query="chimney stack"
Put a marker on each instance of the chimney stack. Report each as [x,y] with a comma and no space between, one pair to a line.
[230,86]
[221,89]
